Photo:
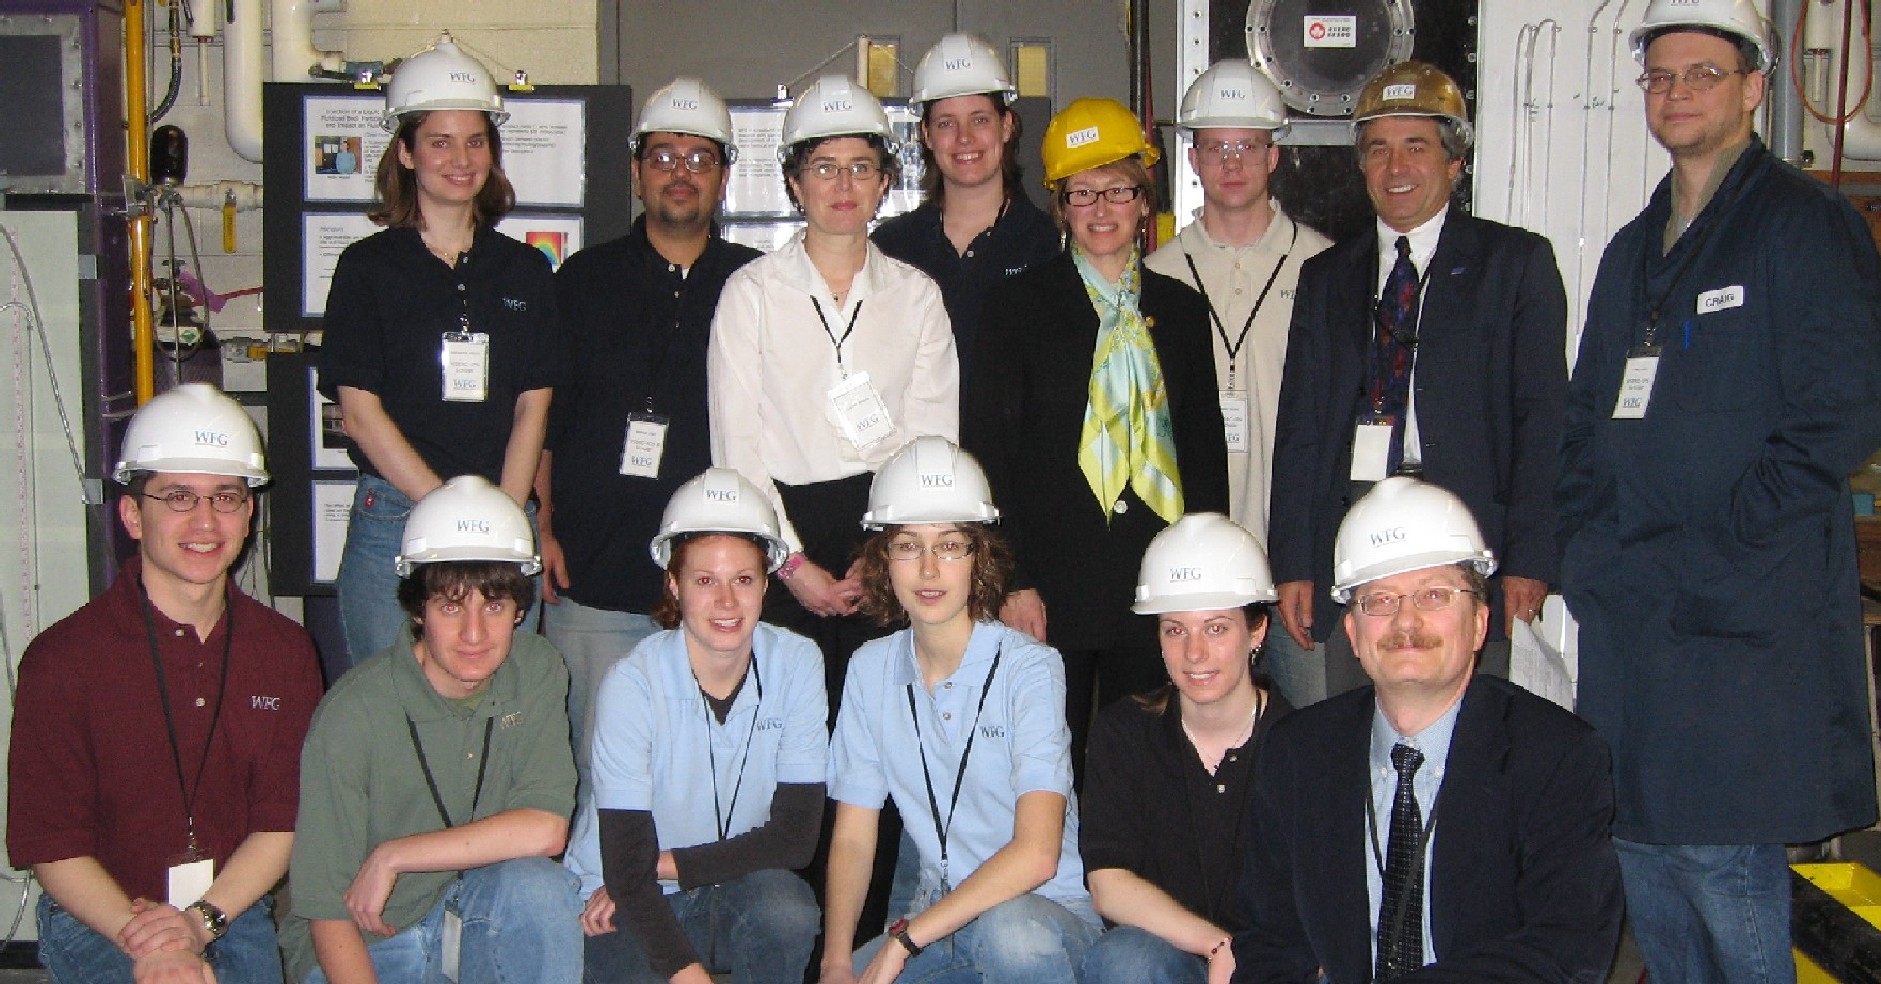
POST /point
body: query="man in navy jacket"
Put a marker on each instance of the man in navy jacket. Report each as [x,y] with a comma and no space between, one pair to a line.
[1729,380]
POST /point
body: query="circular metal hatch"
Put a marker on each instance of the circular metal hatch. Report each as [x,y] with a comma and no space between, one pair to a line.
[1321,52]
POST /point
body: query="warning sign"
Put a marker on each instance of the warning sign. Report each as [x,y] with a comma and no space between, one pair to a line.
[1331,31]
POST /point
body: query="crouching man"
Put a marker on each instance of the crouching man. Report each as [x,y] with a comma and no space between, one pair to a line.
[437,778]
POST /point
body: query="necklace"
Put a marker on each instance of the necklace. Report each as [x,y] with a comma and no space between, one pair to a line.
[1260,704]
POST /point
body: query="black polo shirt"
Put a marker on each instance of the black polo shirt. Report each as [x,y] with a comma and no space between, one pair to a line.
[1151,809]
[1024,235]
[639,327]
[390,305]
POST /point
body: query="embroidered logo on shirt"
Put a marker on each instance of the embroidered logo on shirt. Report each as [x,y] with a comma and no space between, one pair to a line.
[992,731]
[515,304]
[770,723]
[511,719]
[261,703]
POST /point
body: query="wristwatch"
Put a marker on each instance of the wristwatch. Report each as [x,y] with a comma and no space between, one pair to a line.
[788,569]
[214,920]
[900,932]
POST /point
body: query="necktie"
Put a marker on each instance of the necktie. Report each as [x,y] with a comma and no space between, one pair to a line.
[1401,911]
[1395,318]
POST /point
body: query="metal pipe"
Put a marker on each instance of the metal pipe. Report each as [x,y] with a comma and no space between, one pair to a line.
[242,75]
[1841,91]
[1786,104]
[137,149]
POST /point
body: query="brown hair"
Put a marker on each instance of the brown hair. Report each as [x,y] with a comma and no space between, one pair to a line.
[666,612]
[1130,169]
[454,580]
[397,185]
[992,568]
[803,150]
[1157,701]
[934,187]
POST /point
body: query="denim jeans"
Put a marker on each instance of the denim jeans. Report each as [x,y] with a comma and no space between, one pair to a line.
[591,641]
[1128,955]
[1299,674]
[522,925]
[759,928]
[1027,940]
[1709,913]
[74,953]
[368,580]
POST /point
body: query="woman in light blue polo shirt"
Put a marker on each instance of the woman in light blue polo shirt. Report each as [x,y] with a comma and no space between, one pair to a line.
[708,757]
[961,720]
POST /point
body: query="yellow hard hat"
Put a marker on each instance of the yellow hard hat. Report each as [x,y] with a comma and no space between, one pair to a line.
[1092,133]
[1413,88]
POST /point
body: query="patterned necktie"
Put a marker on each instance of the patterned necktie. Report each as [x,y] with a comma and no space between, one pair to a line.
[1401,911]
[1395,318]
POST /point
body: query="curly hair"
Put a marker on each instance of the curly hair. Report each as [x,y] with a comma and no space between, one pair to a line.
[992,569]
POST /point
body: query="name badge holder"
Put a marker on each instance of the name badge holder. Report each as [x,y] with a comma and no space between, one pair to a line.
[1642,368]
[1236,421]
[860,411]
[645,445]
[1371,447]
[466,359]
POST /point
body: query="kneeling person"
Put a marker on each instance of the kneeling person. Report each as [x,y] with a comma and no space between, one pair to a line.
[437,778]
[679,884]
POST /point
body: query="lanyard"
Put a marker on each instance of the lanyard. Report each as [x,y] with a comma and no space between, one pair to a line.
[437,800]
[1654,308]
[722,817]
[1382,356]
[833,340]
[1402,909]
[960,775]
[188,790]
[1234,348]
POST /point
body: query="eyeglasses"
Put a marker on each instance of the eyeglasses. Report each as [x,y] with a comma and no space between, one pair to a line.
[858,170]
[695,162]
[1423,599]
[1698,78]
[183,500]
[1218,152]
[912,550]
[1086,197]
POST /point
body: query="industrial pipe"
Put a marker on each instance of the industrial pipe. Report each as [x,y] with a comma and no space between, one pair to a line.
[242,77]
[1786,103]
[143,339]
[294,57]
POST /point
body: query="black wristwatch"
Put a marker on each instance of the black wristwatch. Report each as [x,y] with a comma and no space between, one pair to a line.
[214,920]
[900,932]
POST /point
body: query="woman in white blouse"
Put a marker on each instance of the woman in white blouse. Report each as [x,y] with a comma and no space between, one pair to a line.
[826,357]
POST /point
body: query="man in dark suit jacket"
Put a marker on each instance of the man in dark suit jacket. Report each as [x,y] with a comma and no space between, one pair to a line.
[1484,344]
[1516,877]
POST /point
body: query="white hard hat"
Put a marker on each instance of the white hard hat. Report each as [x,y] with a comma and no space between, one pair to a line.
[194,429]
[467,518]
[961,65]
[1738,18]
[1232,93]
[930,480]
[1204,562]
[719,500]
[687,105]
[1404,525]
[833,106]
[441,77]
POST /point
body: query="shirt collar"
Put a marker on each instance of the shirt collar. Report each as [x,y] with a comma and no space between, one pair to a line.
[422,702]
[796,270]
[1433,741]
[1276,239]
[981,647]
[1423,238]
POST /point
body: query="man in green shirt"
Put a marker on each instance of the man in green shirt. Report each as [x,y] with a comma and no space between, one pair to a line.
[437,778]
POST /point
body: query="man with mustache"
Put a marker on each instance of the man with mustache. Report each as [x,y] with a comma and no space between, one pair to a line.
[631,425]
[1439,824]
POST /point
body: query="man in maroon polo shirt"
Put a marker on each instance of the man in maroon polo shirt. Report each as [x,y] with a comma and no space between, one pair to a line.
[155,765]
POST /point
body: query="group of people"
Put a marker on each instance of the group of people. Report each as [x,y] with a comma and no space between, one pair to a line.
[1178,663]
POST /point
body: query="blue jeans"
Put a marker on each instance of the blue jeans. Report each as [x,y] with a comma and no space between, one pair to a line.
[1299,674]
[522,925]
[759,927]
[1027,940]
[1709,913]
[591,640]
[74,953]
[368,580]
[1128,955]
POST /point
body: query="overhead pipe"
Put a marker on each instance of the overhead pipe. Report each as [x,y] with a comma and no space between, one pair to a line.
[137,149]
[294,57]
[242,77]
[1786,106]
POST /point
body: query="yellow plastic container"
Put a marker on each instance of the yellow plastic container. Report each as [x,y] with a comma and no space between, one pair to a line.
[1851,884]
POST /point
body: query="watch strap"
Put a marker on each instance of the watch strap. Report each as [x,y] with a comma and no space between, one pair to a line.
[900,933]
[214,920]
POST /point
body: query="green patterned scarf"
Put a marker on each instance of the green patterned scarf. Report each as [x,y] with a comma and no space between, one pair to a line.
[1128,438]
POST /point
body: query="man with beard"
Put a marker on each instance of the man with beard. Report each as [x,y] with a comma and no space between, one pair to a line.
[631,425]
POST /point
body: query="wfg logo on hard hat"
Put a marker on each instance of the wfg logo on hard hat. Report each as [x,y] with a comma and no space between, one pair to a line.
[1381,537]
[214,439]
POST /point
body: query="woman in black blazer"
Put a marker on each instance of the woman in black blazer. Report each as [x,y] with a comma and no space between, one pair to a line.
[1080,506]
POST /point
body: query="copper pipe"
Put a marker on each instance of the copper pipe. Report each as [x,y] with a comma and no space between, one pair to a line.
[137,140]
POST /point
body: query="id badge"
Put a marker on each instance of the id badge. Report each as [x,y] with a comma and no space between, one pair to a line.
[646,443]
[1371,451]
[860,411]
[189,880]
[451,945]
[466,357]
[1236,420]
[1642,367]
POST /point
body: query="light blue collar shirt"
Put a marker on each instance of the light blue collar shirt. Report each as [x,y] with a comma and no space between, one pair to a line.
[1434,742]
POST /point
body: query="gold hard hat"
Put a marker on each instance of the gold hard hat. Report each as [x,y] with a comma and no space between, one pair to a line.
[1092,133]
[1413,88]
